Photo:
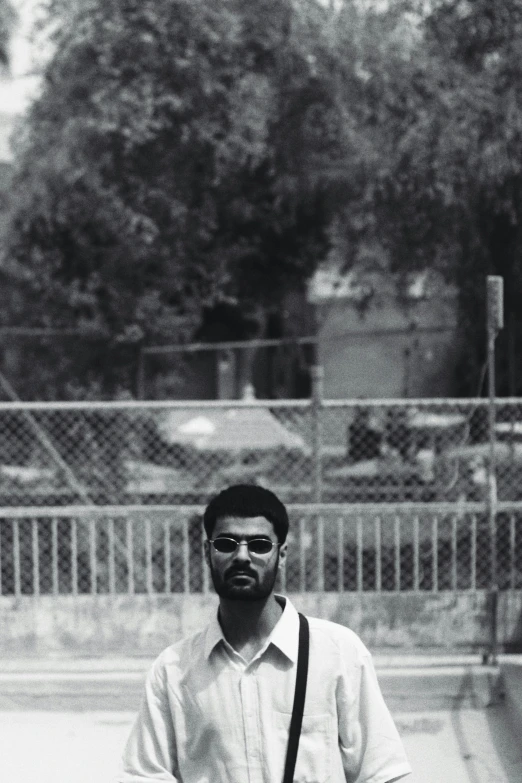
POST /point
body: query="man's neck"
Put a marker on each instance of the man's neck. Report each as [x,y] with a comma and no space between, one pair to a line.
[248,624]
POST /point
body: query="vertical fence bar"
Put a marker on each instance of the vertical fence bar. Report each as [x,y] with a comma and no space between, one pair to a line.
[112,557]
[282,578]
[317,405]
[454,552]
[435,554]
[416,555]
[204,573]
[36,558]
[340,554]
[320,554]
[359,555]
[92,551]
[186,556]
[148,557]
[378,554]
[166,555]
[397,550]
[302,555]
[74,556]
[54,555]
[16,556]
[473,568]
[130,556]
[512,551]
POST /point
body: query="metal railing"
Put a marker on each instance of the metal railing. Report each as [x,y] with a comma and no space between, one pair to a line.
[158,550]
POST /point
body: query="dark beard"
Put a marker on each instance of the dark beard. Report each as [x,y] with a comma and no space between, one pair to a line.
[255,590]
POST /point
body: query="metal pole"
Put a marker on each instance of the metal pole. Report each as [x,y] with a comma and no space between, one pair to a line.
[492,477]
[141,375]
[317,400]
[495,322]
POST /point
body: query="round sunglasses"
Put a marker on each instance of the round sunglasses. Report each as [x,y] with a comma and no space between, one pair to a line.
[256,546]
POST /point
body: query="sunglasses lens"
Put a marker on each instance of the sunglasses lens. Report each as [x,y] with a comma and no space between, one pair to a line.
[225,545]
[260,546]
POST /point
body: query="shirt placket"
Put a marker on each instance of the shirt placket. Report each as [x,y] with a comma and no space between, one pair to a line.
[250,710]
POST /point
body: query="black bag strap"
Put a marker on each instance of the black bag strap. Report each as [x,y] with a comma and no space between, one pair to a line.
[299,699]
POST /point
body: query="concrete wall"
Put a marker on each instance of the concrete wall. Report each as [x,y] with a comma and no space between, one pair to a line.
[398,353]
[143,625]
[512,683]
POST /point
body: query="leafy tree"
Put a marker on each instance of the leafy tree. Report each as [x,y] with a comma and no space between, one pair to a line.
[183,153]
[445,190]
[165,164]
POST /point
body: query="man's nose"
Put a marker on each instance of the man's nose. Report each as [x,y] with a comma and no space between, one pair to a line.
[242,551]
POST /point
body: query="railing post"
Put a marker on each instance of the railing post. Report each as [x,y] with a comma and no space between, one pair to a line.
[320,554]
[74,556]
[317,403]
[186,556]
[204,574]
[92,556]
[166,555]
[130,556]
[54,557]
[16,559]
[36,559]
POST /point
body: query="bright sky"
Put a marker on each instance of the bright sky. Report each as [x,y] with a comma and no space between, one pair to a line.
[17,87]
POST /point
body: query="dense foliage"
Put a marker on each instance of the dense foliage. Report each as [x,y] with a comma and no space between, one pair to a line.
[163,167]
[184,153]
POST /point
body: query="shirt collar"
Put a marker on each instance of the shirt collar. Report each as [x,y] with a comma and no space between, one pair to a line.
[285,635]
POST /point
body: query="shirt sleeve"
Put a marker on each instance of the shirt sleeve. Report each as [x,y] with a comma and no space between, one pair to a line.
[150,752]
[370,746]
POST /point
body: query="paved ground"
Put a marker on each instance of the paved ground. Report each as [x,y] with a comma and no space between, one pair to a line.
[66,722]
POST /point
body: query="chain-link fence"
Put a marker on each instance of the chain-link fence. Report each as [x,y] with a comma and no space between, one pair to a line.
[306,451]
[405,484]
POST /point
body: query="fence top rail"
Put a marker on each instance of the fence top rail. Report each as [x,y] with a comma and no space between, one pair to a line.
[421,402]
[151,404]
[308,509]
[256,403]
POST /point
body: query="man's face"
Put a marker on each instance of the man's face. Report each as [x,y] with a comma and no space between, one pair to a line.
[243,575]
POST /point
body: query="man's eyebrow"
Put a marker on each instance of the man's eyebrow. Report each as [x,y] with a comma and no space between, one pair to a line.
[246,538]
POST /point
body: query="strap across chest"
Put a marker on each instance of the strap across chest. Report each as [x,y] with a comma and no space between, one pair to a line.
[299,699]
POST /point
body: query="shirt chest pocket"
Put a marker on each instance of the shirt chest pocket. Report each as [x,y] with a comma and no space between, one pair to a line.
[314,757]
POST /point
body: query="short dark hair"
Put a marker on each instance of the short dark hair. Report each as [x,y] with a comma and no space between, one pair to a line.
[244,501]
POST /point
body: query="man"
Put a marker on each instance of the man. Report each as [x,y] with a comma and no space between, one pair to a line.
[217,706]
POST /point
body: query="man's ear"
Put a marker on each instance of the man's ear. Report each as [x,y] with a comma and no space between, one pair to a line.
[206,546]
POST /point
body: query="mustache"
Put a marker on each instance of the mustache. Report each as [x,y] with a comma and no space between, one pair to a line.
[239,572]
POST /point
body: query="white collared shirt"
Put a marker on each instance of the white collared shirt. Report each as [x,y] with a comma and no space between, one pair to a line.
[208,716]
